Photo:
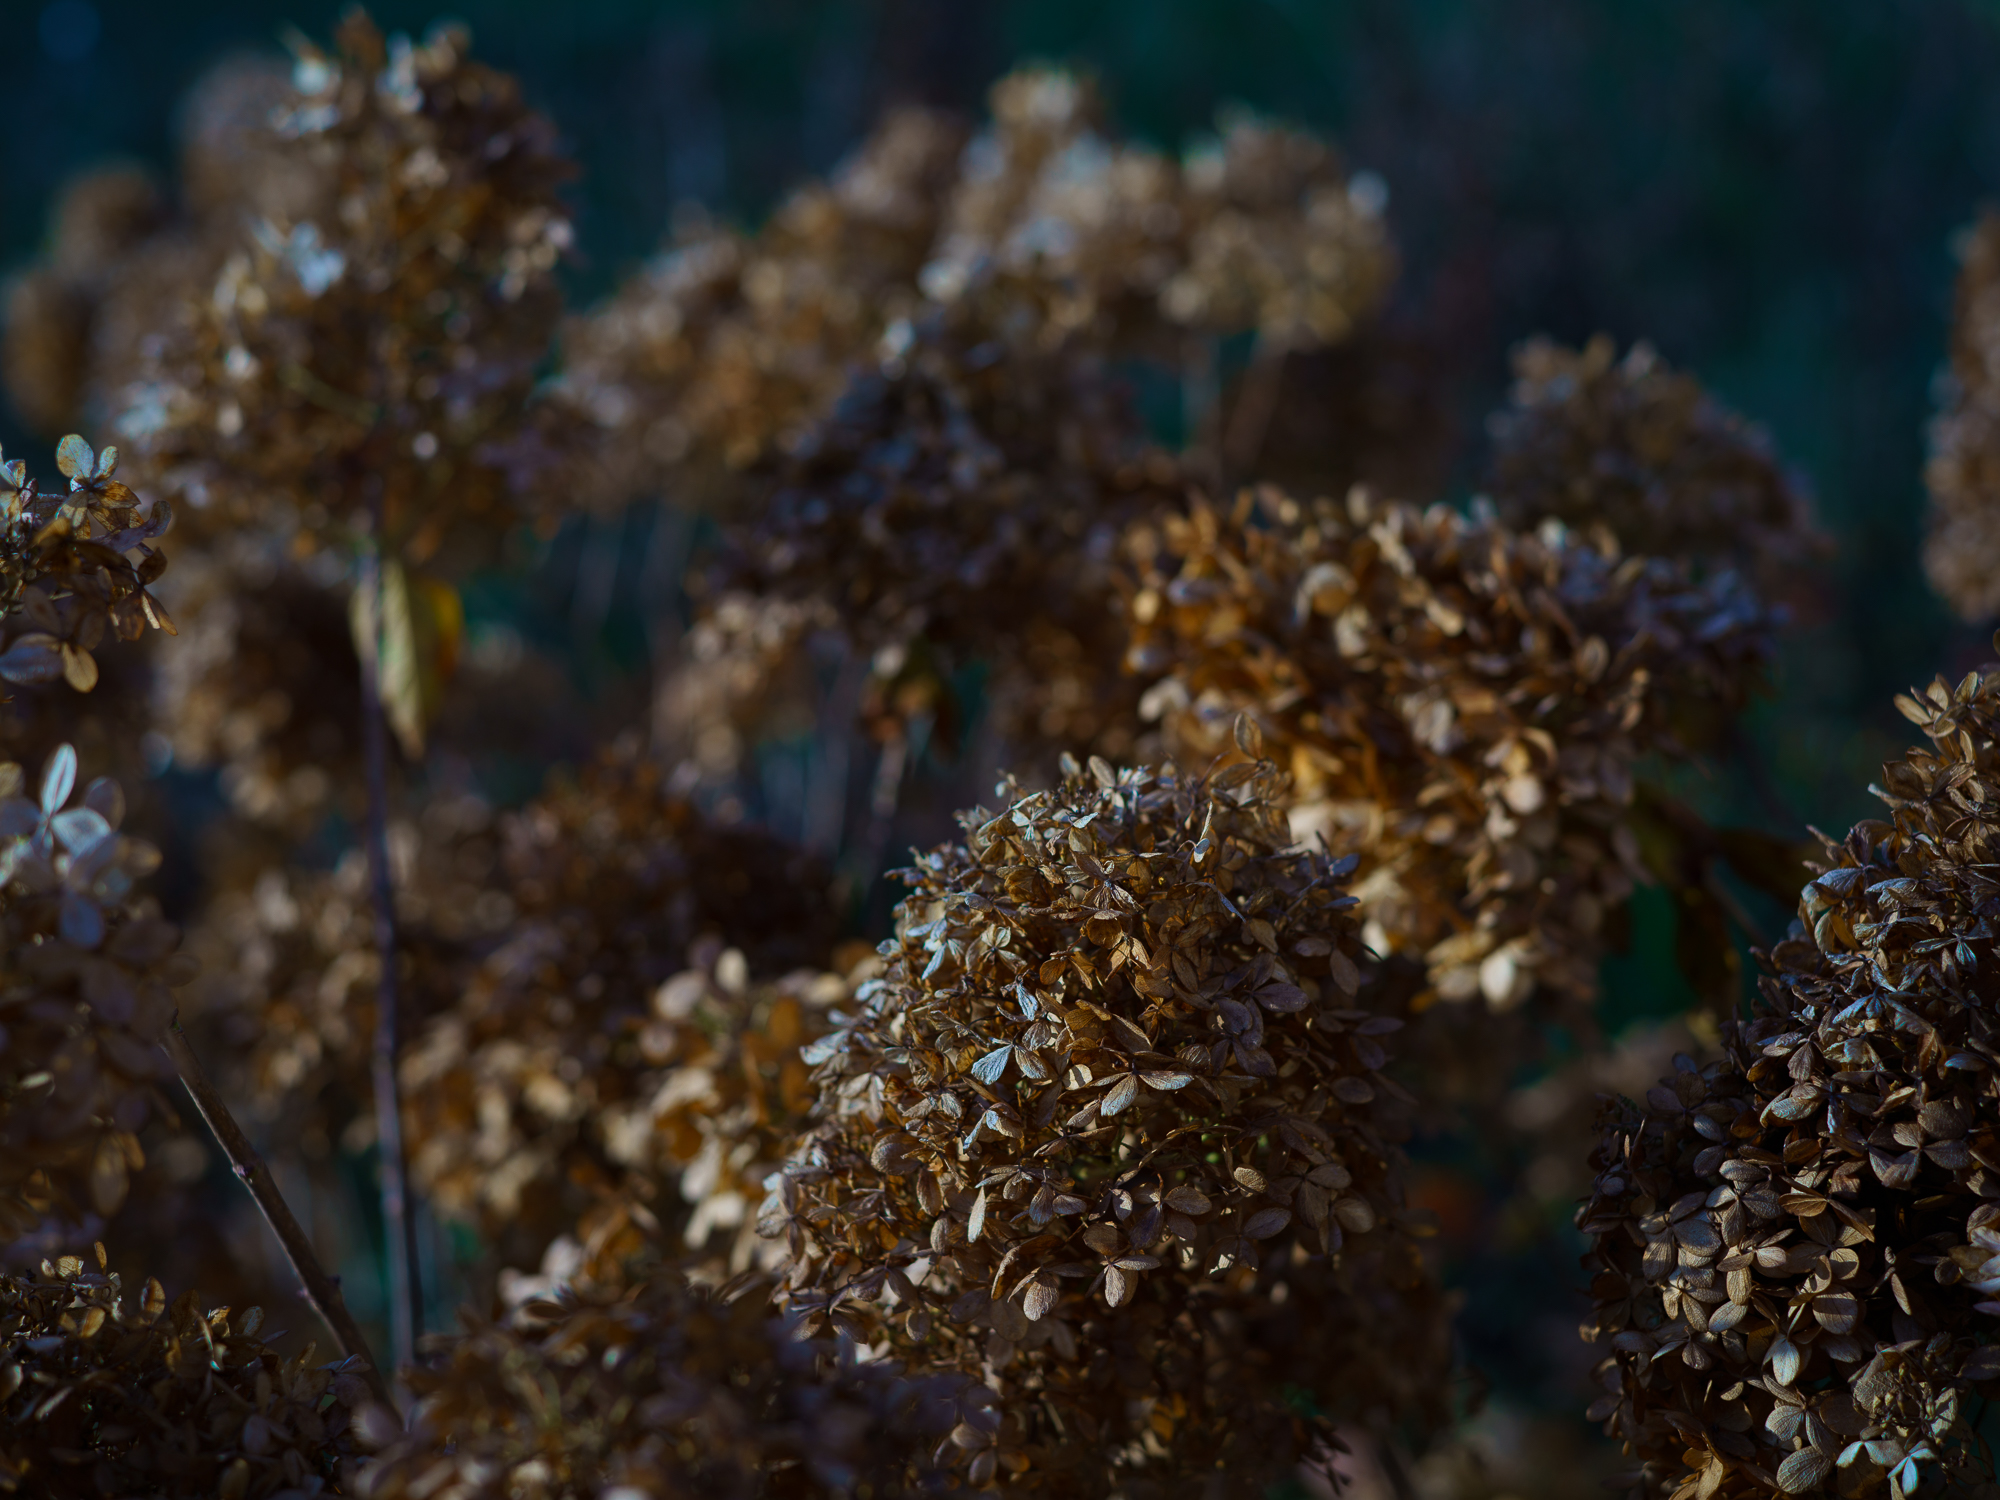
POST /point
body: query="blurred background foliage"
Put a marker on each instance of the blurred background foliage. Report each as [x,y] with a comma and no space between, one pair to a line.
[1766,192]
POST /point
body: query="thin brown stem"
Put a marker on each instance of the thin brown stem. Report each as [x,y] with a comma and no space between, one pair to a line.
[322,1290]
[398,1222]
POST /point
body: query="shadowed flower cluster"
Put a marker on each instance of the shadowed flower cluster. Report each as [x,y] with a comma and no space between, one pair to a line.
[1797,1249]
[576,1062]
[724,351]
[1641,449]
[658,1388]
[74,564]
[1109,1096]
[105,1395]
[85,965]
[1460,704]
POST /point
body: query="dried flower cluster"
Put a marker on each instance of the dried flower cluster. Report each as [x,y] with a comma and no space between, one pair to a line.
[264,685]
[580,1060]
[1108,1104]
[717,352]
[1962,553]
[75,564]
[1635,446]
[723,352]
[1795,1244]
[105,1395]
[85,965]
[122,254]
[1462,705]
[389,336]
[959,505]
[656,1389]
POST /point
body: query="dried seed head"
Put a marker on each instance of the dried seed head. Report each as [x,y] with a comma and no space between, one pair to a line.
[1962,554]
[1796,1252]
[1641,449]
[1110,1101]
[1460,704]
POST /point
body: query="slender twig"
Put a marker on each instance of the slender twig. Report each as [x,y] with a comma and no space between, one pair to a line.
[321,1290]
[398,1223]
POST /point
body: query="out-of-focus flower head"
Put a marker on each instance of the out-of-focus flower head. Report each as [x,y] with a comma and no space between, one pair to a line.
[392,340]
[1460,704]
[1962,553]
[85,969]
[101,1394]
[581,1064]
[1797,1252]
[711,359]
[1641,449]
[656,1388]
[1108,1105]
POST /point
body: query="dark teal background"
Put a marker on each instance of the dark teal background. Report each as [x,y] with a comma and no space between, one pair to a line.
[1765,190]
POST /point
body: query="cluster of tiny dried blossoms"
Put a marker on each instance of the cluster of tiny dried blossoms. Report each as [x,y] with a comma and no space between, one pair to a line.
[1460,704]
[85,969]
[716,354]
[1109,1110]
[720,354]
[264,685]
[656,1388]
[105,1395]
[1797,1246]
[74,564]
[387,337]
[1962,552]
[962,505]
[1256,228]
[121,251]
[1641,449]
[578,1064]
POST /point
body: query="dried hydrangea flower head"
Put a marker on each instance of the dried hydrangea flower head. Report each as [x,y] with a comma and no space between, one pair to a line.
[659,1388]
[74,564]
[289,967]
[535,946]
[124,259]
[722,352]
[963,504]
[85,969]
[1257,228]
[1962,553]
[104,1394]
[1795,1244]
[1108,1103]
[1280,239]
[568,1067]
[391,341]
[1642,449]
[711,358]
[1461,704]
